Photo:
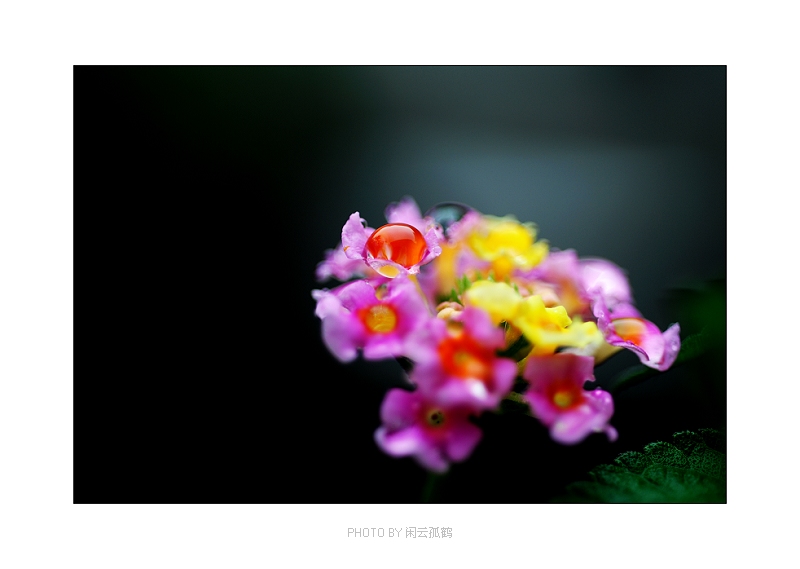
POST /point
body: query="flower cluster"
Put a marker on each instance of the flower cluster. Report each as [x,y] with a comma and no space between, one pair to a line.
[474,304]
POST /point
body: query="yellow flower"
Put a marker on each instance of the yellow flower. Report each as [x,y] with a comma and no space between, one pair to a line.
[546,328]
[444,267]
[507,244]
[499,300]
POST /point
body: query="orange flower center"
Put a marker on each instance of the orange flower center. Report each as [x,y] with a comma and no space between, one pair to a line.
[563,399]
[379,318]
[435,417]
[465,358]
[630,329]
[565,395]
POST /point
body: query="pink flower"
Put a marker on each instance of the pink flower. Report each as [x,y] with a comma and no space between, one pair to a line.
[397,248]
[562,270]
[603,279]
[603,287]
[580,281]
[434,435]
[558,400]
[457,364]
[339,266]
[356,316]
[407,211]
[625,328]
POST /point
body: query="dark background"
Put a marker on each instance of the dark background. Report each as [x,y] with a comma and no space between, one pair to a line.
[207,195]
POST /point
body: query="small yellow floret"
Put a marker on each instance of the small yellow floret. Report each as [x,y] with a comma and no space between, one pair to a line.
[499,300]
[545,328]
[380,319]
[507,244]
[444,267]
[563,399]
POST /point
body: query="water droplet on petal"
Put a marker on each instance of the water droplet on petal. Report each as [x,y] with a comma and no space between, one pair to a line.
[398,242]
[447,213]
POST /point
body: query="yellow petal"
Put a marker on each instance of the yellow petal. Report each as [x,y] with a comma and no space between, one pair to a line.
[499,300]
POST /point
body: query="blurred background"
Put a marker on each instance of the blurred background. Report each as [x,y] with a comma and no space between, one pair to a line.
[208,195]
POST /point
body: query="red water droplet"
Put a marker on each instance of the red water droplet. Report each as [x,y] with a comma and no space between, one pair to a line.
[398,242]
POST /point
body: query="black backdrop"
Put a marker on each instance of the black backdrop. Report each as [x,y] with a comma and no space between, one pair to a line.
[206,195]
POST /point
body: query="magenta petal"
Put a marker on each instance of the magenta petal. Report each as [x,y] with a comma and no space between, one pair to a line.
[405,211]
[412,314]
[354,237]
[462,441]
[611,433]
[652,344]
[404,296]
[398,409]
[572,428]
[451,390]
[591,417]
[384,349]
[355,295]
[602,405]
[406,430]
[421,346]
[337,333]
[404,442]
[428,280]
[603,278]
[478,324]
[542,370]
[431,458]
[339,338]
[672,345]
[337,265]
[504,373]
[605,325]
[433,249]
[461,229]
[327,303]
[561,264]
[625,310]
[461,393]
[558,267]
[566,373]
[542,408]
[343,327]
[655,349]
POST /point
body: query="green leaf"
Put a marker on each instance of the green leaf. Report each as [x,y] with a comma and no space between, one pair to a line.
[689,469]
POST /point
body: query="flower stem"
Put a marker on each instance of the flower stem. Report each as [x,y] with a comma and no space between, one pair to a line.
[432,489]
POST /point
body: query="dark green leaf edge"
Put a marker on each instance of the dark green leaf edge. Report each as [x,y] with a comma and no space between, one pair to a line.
[689,469]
